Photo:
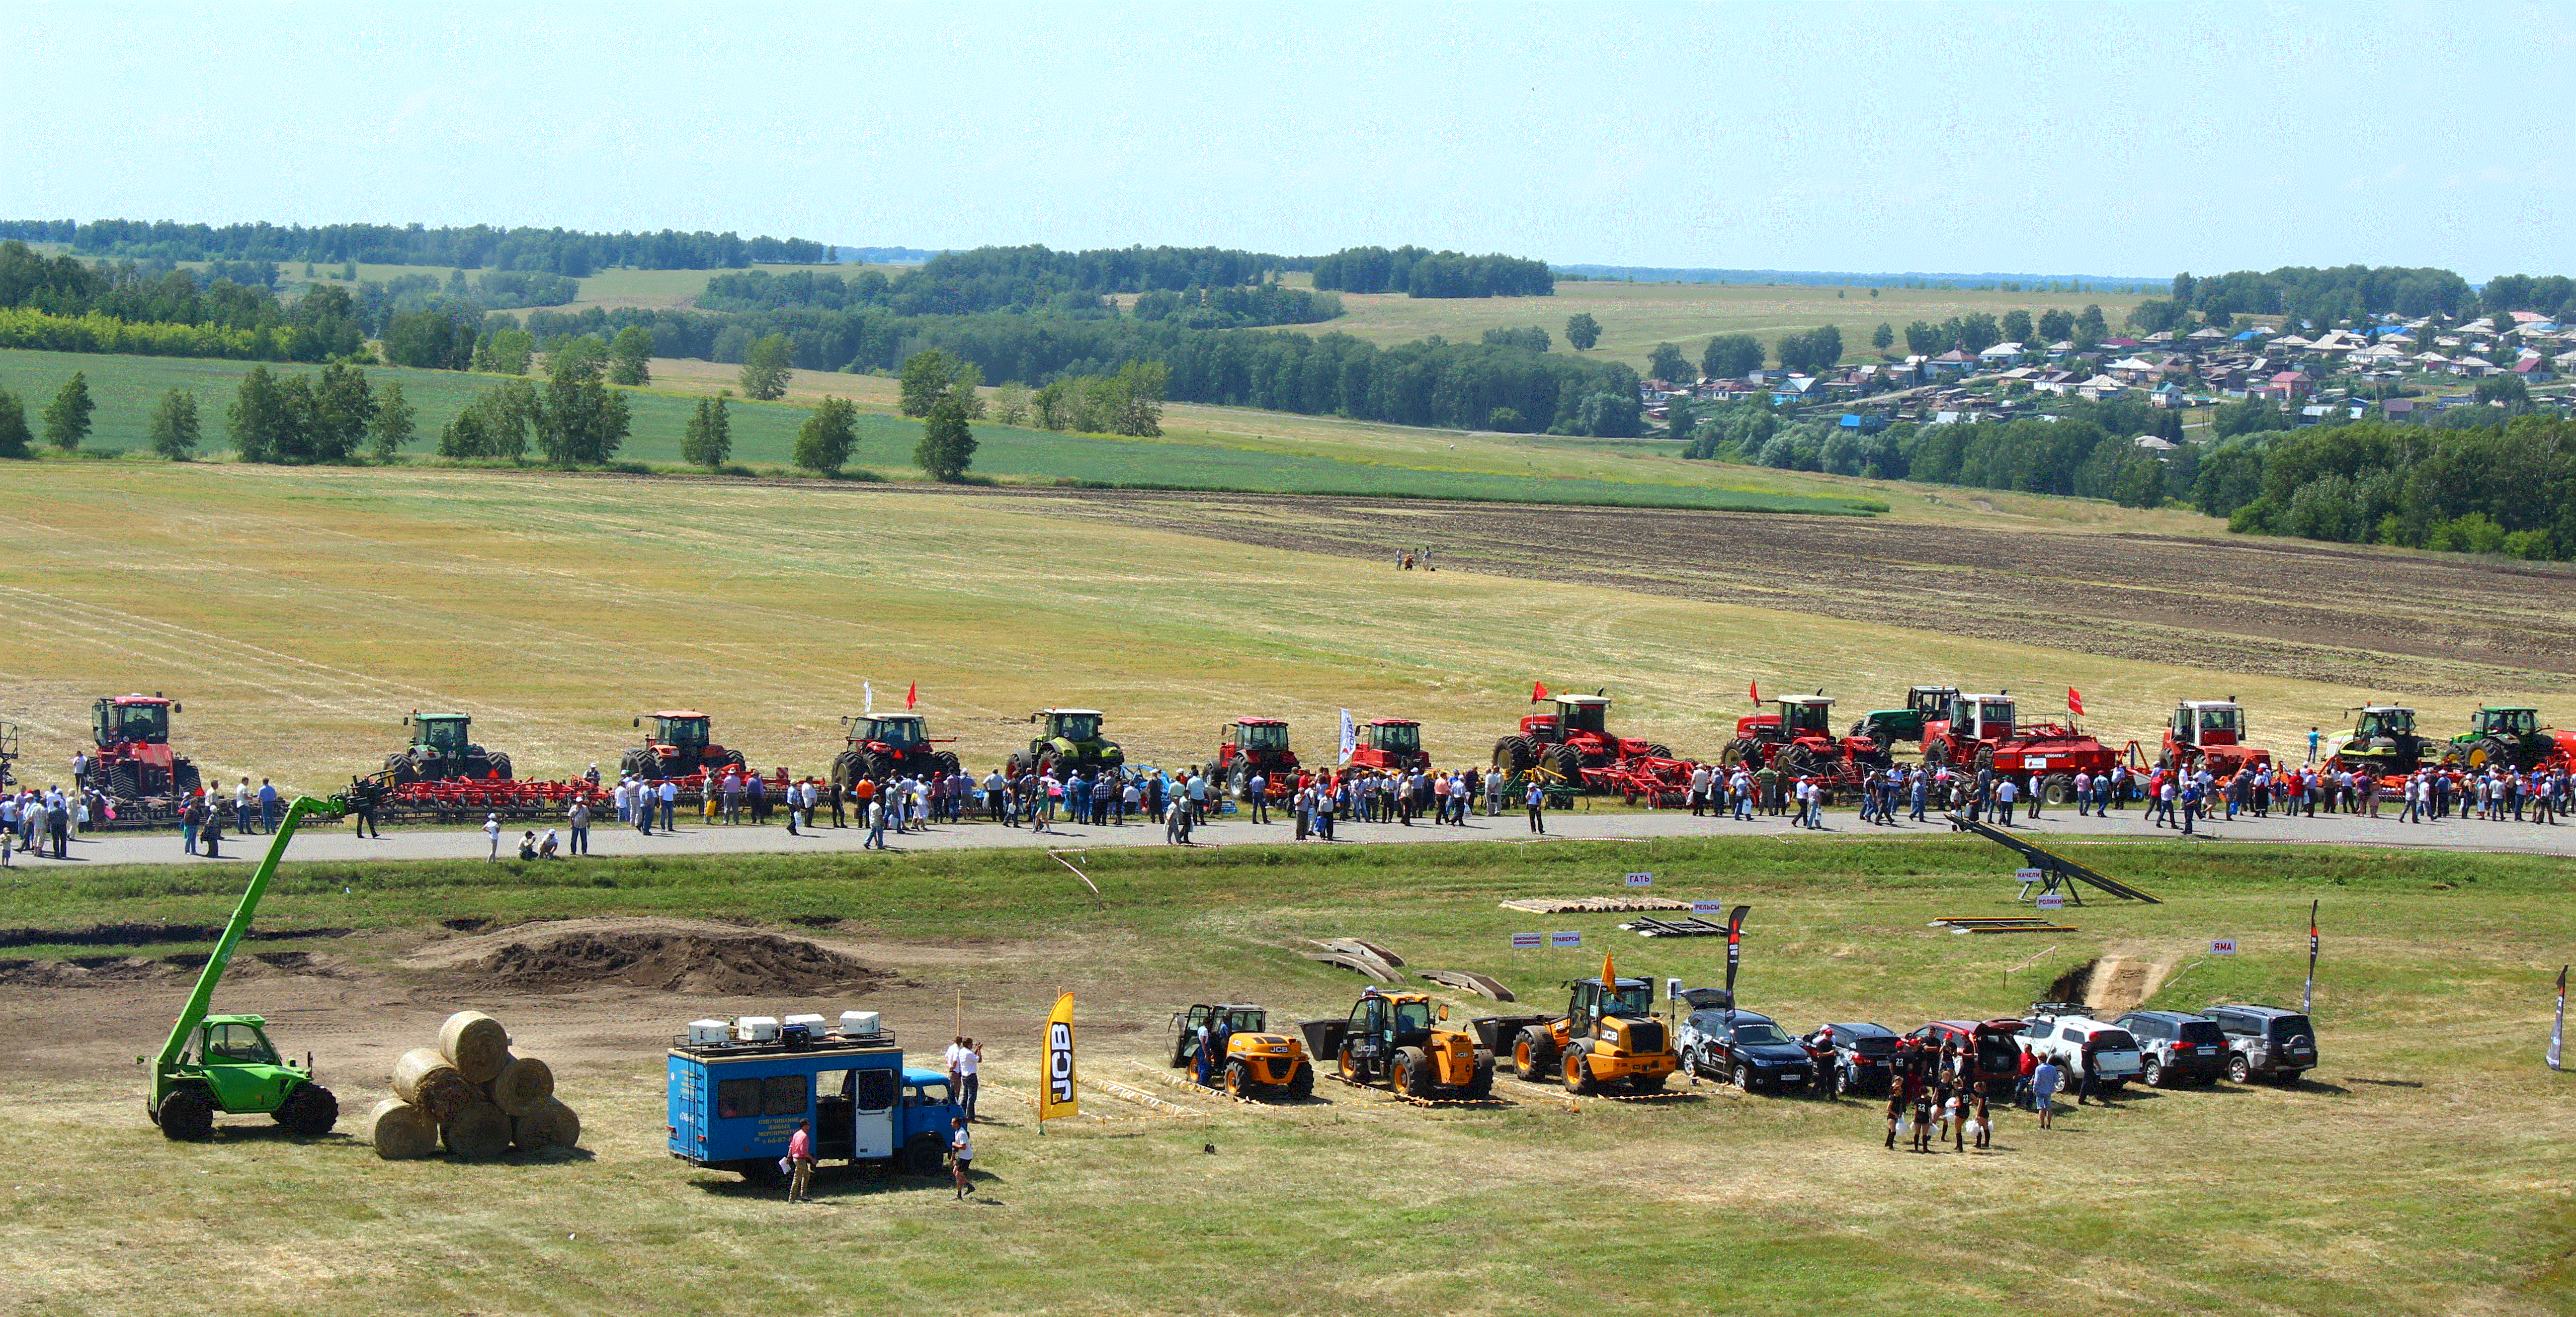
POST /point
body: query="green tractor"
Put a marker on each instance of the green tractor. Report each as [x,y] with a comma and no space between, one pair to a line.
[225,1063]
[441,749]
[1894,727]
[2510,735]
[1072,743]
[2383,742]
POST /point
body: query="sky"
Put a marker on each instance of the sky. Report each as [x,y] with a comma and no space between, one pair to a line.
[2132,139]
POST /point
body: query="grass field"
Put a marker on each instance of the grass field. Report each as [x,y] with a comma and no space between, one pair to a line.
[2421,1169]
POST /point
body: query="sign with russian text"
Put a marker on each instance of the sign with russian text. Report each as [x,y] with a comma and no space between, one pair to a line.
[1528,941]
[1561,941]
[1641,879]
[2222,946]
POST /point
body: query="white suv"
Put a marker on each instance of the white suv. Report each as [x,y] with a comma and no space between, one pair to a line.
[2063,1038]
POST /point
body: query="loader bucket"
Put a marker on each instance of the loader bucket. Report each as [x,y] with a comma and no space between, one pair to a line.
[1496,1032]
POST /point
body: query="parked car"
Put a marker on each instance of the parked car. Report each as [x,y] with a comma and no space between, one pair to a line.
[1860,1056]
[2063,1037]
[1995,1043]
[2265,1040]
[1758,1053]
[2177,1047]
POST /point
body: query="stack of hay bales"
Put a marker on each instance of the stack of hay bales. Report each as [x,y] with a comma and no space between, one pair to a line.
[472,1094]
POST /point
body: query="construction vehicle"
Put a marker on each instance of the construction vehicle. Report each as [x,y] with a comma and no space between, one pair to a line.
[1400,1040]
[1889,728]
[224,1063]
[2383,742]
[2509,735]
[1255,1058]
[134,757]
[1390,745]
[1978,732]
[678,747]
[1607,1035]
[1253,745]
[440,750]
[1071,743]
[890,745]
[2211,734]
[1799,740]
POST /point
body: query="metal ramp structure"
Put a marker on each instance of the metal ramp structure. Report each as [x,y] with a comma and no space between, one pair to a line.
[2057,873]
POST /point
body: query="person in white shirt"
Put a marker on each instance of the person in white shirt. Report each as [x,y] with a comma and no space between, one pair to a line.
[970,1058]
[492,829]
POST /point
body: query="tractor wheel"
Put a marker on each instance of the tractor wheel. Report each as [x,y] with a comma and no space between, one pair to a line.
[944,763]
[923,1154]
[2490,752]
[1655,751]
[1936,754]
[637,763]
[498,765]
[1301,1085]
[2060,789]
[1741,750]
[1513,754]
[1534,1055]
[1412,1074]
[398,769]
[184,779]
[187,1115]
[845,768]
[309,1112]
[1350,1066]
[1578,1072]
[873,766]
[1798,761]
[1481,1084]
[1049,766]
[1650,1083]
[1985,758]
[1567,760]
[733,759]
[1238,1078]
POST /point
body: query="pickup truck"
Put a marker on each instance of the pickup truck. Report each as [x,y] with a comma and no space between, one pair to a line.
[2063,1038]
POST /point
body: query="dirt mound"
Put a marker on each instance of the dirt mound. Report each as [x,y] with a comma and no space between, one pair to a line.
[86,971]
[711,960]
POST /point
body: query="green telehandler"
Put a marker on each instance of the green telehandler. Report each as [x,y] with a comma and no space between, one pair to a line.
[224,1063]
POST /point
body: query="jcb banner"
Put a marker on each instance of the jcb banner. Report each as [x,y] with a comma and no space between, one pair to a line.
[1056,1097]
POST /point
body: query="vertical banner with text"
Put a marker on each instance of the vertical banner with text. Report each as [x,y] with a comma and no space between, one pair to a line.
[1056,1096]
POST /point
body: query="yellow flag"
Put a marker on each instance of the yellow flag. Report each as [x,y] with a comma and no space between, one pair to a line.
[1609,978]
[1056,1097]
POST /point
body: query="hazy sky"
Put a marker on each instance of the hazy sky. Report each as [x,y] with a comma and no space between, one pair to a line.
[2125,139]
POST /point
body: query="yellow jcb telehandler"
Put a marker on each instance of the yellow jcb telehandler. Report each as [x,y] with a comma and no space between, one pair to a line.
[1397,1039]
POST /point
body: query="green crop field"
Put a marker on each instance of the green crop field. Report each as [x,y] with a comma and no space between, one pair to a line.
[2420,1169]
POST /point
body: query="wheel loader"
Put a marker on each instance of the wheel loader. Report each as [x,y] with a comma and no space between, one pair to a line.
[1255,1058]
[1400,1040]
[1607,1035]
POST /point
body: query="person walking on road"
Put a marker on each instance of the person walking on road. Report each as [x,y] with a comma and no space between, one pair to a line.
[492,831]
[1537,803]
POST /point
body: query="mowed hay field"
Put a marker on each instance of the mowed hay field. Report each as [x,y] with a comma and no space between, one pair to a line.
[2423,1168]
[300,612]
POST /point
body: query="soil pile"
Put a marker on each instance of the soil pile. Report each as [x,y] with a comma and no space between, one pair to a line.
[711,960]
[85,971]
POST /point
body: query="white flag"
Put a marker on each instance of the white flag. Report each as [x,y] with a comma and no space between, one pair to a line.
[869,691]
[1350,735]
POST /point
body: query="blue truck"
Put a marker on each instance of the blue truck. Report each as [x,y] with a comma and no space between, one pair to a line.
[735,1101]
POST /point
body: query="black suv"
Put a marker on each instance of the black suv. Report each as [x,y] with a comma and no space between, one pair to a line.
[1861,1053]
[2266,1040]
[2177,1047]
[1759,1054]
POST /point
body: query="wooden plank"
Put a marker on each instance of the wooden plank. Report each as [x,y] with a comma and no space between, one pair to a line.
[1368,965]
[1471,981]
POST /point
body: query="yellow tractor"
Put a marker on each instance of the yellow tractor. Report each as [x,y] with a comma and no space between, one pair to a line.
[1255,1058]
[1608,1035]
[1396,1039]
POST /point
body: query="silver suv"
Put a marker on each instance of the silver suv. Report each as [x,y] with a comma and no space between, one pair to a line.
[2177,1047]
[2266,1040]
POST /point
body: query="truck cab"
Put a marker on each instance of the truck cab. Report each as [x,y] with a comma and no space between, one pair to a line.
[733,1104]
[1576,716]
[2208,723]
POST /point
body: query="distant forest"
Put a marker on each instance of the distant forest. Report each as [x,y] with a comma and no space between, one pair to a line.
[1203,287]
[1419,272]
[569,252]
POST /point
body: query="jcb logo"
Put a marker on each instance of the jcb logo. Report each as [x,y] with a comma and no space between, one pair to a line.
[1060,1062]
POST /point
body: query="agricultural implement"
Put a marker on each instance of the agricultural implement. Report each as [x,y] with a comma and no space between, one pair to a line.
[1254,745]
[225,1064]
[2511,736]
[442,749]
[1607,1035]
[1799,741]
[1071,743]
[894,745]
[1573,746]
[2211,734]
[470,800]
[8,754]
[135,766]
[1979,733]
[1395,1040]
[1390,745]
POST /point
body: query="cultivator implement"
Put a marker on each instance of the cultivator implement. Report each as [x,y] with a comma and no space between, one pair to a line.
[1660,782]
[470,800]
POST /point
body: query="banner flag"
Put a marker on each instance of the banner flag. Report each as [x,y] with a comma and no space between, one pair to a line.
[1755,691]
[911,693]
[2074,700]
[2558,1026]
[2310,990]
[1734,957]
[1350,736]
[867,697]
[1538,691]
[1056,1096]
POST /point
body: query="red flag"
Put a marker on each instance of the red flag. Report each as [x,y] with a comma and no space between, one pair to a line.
[2074,700]
[1755,691]
[910,693]
[1538,691]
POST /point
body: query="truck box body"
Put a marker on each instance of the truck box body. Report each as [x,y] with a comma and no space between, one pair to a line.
[735,1104]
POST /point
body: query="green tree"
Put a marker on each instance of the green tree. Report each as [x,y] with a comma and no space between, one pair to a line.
[1882,337]
[947,446]
[1668,364]
[709,438]
[2056,325]
[2017,327]
[1582,331]
[926,375]
[14,435]
[576,357]
[630,356]
[396,423]
[1731,356]
[67,416]
[261,420]
[173,427]
[493,425]
[2090,329]
[824,442]
[1011,403]
[2141,484]
[583,422]
[342,406]
[766,370]
[505,352]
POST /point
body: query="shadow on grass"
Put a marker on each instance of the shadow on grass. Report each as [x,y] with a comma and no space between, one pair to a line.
[836,1183]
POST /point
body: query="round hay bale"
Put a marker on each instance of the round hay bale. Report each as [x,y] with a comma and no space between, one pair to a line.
[475,1044]
[523,1085]
[401,1131]
[424,1078]
[478,1131]
[551,1125]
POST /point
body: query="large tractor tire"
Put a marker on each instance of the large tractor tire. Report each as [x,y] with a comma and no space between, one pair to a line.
[1481,1084]
[1301,1085]
[1534,1055]
[309,1112]
[1051,767]
[496,764]
[2490,752]
[400,771]
[1578,1072]
[186,1115]
[1349,1065]
[1655,750]
[184,779]
[1514,754]
[2059,789]
[944,763]
[1741,750]
[1412,1074]
[1798,761]
[1985,758]
[732,759]
[1238,1078]
[845,768]
[873,766]
[1567,760]
[1936,754]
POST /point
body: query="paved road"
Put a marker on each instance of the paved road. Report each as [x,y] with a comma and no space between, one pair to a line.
[333,842]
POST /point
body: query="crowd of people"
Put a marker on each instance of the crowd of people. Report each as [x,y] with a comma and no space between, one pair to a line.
[1945,1092]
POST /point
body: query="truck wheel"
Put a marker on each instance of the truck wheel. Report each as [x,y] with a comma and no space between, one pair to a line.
[945,763]
[2237,1071]
[1578,1073]
[1693,1060]
[1350,1066]
[1301,1085]
[1411,1075]
[2154,1075]
[309,1112]
[1238,1078]
[1534,1056]
[1481,1084]
[187,1115]
[923,1154]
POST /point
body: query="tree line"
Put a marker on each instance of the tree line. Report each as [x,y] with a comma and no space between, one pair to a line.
[569,252]
[1421,272]
[2507,488]
[2088,451]
[1220,287]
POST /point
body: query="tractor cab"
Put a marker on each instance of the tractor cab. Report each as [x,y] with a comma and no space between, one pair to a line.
[1981,717]
[684,730]
[131,720]
[1388,1022]
[895,731]
[1801,718]
[2208,723]
[2381,721]
[1076,725]
[230,1058]
[1924,705]
[440,733]
[1576,715]
[1589,1003]
[1253,738]
[2500,720]
[1235,1017]
[1394,736]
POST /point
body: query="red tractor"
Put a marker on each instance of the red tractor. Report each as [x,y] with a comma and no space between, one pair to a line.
[1569,741]
[2210,733]
[1249,745]
[134,758]
[1799,740]
[891,745]
[1390,745]
[1978,732]
[677,748]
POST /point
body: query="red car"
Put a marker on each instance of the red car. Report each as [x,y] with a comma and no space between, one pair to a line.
[1993,1042]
